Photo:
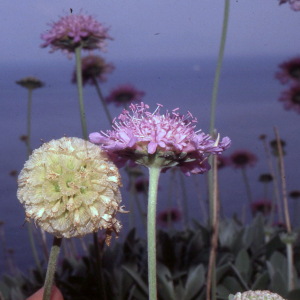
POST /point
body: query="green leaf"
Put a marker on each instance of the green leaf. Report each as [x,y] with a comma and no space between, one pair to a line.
[294,295]
[222,270]
[261,282]
[137,278]
[243,264]
[279,263]
[164,283]
[278,284]
[232,285]
[4,290]
[254,234]
[195,281]
[222,291]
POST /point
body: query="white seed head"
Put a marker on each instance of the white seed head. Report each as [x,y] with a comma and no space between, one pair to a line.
[70,188]
[256,295]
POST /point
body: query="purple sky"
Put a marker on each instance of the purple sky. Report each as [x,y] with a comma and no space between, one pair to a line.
[185,27]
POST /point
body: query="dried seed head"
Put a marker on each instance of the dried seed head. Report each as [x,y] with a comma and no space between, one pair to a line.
[256,295]
[70,188]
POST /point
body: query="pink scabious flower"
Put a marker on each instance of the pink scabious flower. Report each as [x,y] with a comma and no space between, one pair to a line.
[243,158]
[261,205]
[164,140]
[290,71]
[162,217]
[124,94]
[93,68]
[291,98]
[73,31]
[294,4]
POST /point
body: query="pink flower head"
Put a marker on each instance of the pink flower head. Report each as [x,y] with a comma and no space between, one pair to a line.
[243,158]
[94,67]
[291,98]
[290,70]
[125,94]
[294,4]
[262,205]
[73,31]
[162,218]
[222,161]
[141,185]
[170,139]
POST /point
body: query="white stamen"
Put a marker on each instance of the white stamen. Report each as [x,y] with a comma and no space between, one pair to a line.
[217,140]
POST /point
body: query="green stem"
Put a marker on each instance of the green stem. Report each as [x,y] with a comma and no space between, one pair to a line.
[289,252]
[51,268]
[29,122]
[170,223]
[214,100]
[100,279]
[80,92]
[246,181]
[218,71]
[154,173]
[31,238]
[102,100]
[185,200]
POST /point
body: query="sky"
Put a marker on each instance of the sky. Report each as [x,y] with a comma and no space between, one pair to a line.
[144,29]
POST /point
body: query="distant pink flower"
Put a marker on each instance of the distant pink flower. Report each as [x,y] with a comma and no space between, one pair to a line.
[243,158]
[141,185]
[162,217]
[290,70]
[169,138]
[294,4]
[94,67]
[222,161]
[262,205]
[291,98]
[73,31]
[125,94]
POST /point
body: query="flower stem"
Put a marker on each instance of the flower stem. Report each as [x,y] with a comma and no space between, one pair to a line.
[214,100]
[29,122]
[218,71]
[154,173]
[290,265]
[275,182]
[102,100]
[247,185]
[211,290]
[28,144]
[169,218]
[282,174]
[185,200]
[80,92]
[51,268]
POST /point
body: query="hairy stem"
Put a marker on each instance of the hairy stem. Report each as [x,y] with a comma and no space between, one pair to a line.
[51,268]
[214,100]
[154,173]
[102,100]
[80,92]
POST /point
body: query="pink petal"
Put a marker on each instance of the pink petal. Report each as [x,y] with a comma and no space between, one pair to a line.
[152,147]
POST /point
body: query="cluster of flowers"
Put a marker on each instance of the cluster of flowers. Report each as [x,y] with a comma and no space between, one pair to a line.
[294,4]
[170,138]
[84,31]
[290,74]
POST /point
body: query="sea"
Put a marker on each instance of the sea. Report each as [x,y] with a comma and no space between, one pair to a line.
[247,107]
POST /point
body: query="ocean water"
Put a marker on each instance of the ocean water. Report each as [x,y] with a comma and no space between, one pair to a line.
[247,106]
